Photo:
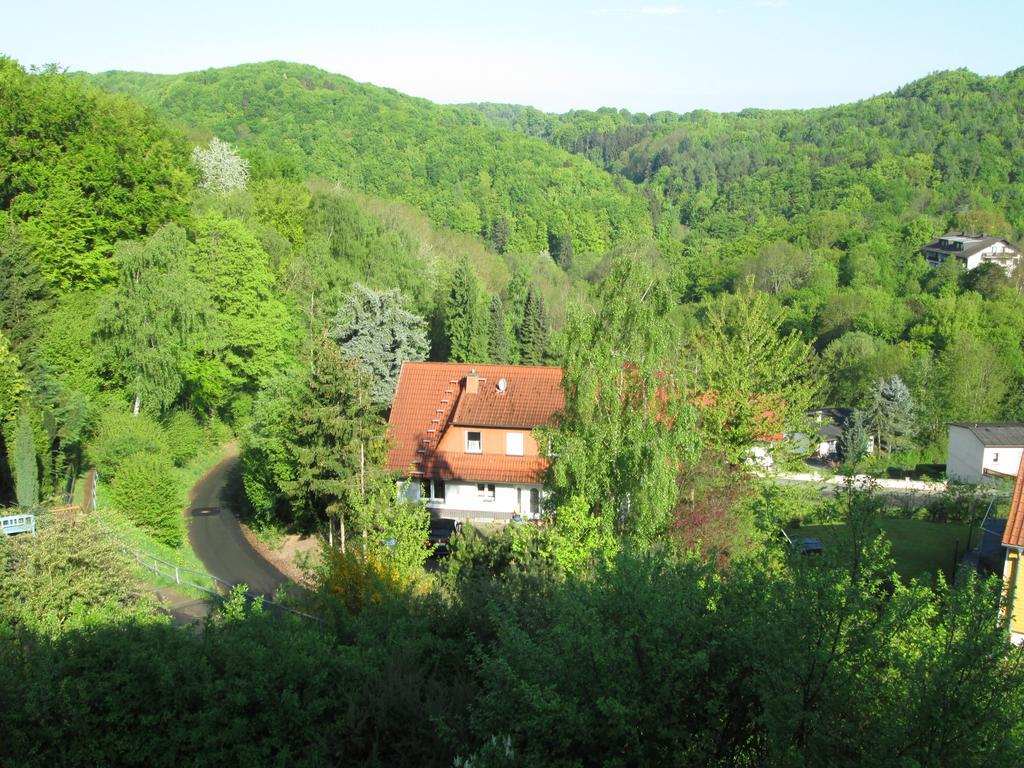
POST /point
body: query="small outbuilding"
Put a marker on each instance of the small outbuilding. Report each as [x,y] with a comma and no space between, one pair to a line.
[982,453]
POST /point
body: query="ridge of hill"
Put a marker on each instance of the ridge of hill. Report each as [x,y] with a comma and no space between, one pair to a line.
[944,143]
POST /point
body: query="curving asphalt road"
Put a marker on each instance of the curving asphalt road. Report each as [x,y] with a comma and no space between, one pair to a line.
[216,536]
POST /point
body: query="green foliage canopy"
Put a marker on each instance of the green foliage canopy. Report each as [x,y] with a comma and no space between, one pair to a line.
[83,169]
[628,424]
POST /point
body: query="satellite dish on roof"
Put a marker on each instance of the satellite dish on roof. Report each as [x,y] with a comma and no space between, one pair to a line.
[502,385]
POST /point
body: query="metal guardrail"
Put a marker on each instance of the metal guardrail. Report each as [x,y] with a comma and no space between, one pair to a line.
[179,574]
[212,585]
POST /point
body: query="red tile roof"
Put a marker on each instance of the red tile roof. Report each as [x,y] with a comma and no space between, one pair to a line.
[532,396]
[1013,536]
[489,467]
[431,396]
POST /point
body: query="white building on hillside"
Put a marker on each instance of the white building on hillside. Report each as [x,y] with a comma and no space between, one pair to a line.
[972,251]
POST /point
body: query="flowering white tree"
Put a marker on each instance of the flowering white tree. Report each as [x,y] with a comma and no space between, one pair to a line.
[222,168]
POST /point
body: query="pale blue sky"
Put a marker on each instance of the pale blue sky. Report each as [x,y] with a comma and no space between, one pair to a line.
[644,56]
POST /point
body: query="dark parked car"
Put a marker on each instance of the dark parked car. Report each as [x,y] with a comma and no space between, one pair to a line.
[440,536]
[805,545]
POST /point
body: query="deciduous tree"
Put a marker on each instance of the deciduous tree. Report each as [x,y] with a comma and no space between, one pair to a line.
[221,168]
[755,381]
[628,424]
[153,320]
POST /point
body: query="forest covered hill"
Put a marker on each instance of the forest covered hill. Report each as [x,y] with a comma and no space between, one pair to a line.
[954,134]
[300,121]
[823,209]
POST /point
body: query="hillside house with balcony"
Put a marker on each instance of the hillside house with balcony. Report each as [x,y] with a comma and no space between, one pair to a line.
[463,437]
[972,251]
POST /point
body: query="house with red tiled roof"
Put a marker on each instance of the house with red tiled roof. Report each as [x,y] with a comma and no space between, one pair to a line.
[463,441]
[1013,569]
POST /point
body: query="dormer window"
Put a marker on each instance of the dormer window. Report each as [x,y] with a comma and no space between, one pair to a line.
[474,442]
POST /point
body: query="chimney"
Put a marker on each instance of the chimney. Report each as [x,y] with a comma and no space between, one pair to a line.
[472,383]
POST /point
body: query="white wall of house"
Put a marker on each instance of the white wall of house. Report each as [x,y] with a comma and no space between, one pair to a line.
[998,253]
[967,459]
[964,456]
[826,448]
[1002,460]
[467,501]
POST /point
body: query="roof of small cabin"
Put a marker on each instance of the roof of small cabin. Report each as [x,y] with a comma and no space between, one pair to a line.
[1013,535]
[1005,435]
[432,396]
[830,421]
[971,244]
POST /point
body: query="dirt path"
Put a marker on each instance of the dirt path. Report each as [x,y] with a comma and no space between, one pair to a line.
[284,556]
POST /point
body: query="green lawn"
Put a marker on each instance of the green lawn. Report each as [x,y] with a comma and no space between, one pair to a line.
[919,548]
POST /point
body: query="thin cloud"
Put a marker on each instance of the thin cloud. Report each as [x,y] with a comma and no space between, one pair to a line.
[647,10]
[772,3]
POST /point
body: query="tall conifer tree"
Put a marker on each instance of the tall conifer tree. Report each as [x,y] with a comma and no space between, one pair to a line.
[374,328]
[533,336]
[514,300]
[497,333]
[337,437]
[26,470]
[462,320]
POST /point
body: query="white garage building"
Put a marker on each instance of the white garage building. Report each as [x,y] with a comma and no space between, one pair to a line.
[981,453]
